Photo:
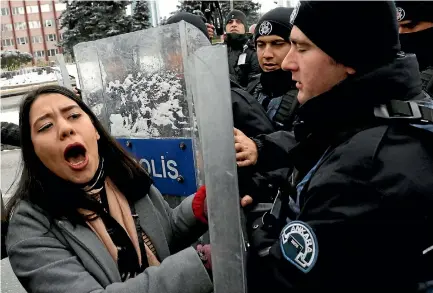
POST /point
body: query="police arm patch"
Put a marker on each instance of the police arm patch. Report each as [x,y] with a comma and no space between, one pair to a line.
[299,245]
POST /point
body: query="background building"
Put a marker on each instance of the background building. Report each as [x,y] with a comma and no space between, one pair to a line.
[33,27]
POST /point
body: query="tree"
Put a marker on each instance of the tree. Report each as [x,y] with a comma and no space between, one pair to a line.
[13,59]
[187,6]
[141,16]
[249,7]
[92,20]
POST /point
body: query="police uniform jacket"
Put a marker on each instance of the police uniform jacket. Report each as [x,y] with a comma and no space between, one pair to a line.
[359,214]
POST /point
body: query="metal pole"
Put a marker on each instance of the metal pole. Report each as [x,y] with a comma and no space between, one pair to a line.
[231,4]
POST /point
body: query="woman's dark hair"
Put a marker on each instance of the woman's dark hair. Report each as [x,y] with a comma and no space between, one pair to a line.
[58,197]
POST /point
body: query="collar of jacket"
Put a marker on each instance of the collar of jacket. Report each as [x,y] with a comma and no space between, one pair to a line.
[350,104]
[236,41]
[276,83]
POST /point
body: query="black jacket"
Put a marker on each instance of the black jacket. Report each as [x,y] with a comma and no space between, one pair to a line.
[251,119]
[10,134]
[248,114]
[277,94]
[236,46]
[366,201]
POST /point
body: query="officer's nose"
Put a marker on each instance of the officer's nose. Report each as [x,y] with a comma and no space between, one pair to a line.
[289,62]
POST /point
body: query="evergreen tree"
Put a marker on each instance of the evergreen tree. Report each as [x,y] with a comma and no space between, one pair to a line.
[13,59]
[249,7]
[187,6]
[93,20]
[141,16]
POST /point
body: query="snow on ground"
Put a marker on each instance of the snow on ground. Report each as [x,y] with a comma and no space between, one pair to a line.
[28,78]
[34,77]
[11,116]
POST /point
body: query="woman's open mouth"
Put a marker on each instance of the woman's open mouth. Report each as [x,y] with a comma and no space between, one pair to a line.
[76,157]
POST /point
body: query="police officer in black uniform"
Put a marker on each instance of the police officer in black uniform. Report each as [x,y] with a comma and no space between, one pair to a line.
[357,213]
[273,88]
[243,64]
[415,20]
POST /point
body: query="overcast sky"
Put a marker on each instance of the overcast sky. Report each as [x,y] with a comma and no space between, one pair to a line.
[167,6]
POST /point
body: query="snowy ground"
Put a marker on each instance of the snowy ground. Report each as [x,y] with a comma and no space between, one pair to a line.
[34,77]
[10,116]
[28,78]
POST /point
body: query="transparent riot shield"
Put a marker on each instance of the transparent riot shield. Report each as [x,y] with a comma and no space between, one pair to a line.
[213,106]
[135,83]
[63,76]
[156,90]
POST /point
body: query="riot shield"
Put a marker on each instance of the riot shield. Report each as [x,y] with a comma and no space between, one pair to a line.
[135,83]
[212,103]
[63,77]
[158,91]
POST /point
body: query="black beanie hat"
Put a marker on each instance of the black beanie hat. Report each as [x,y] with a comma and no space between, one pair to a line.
[358,34]
[414,10]
[190,18]
[237,14]
[275,22]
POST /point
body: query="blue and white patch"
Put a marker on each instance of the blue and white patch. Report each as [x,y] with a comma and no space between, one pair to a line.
[299,245]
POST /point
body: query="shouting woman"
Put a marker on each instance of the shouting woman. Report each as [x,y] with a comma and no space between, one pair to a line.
[86,217]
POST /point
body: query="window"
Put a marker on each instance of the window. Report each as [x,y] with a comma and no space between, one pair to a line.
[34,24]
[22,41]
[39,54]
[7,42]
[20,26]
[6,27]
[49,22]
[32,9]
[51,38]
[45,8]
[52,52]
[37,39]
[5,11]
[17,10]
[60,6]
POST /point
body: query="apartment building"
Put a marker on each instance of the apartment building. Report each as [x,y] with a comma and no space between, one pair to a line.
[33,27]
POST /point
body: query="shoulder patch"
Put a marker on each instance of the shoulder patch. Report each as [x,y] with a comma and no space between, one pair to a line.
[299,245]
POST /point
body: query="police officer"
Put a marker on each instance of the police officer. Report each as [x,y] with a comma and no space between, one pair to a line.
[357,213]
[415,20]
[274,89]
[243,64]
